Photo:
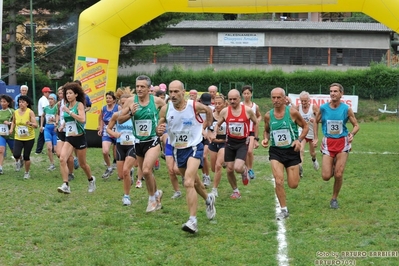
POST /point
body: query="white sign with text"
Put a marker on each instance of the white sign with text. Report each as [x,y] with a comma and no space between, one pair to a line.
[319,99]
[241,39]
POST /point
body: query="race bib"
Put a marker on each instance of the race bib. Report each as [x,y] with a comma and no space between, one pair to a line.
[126,137]
[22,131]
[222,129]
[182,139]
[50,119]
[71,128]
[334,127]
[143,127]
[282,137]
[236,129]
[4,130]
[105,134]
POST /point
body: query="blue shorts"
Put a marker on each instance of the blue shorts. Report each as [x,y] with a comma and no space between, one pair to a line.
[168,149]
[4,141]
[109,139]
[50,135]
[182,155]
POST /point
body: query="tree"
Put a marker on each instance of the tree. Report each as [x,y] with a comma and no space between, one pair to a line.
[56,36]
[360,17]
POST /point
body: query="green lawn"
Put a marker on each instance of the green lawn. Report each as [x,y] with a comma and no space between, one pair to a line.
[39,226]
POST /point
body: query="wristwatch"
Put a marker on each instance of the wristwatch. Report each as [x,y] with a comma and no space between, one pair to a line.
[211,128]
[257,139]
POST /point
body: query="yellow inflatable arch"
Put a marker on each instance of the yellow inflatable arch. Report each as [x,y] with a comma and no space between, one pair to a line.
[102,25]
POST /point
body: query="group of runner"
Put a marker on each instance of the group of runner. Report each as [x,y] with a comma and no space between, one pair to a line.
[142,126]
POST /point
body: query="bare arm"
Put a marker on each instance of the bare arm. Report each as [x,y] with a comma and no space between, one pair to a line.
[266,132]
[126,111]
[354,123]
[159,102]
[254,119]
[222,118]
[201,108]
[315,125]
[162,120]
[32,119]
[296,116]
[111,124]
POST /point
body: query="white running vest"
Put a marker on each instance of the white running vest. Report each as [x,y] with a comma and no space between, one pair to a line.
[184,130]
[307,116]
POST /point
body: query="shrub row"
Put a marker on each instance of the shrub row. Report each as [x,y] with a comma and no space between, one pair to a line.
[376,82]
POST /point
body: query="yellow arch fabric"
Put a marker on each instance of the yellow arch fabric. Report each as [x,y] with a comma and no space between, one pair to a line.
[102,26]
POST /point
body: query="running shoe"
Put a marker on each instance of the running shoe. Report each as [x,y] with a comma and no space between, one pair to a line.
[92,185]
[251,174]
[210,206]
[156,165]
[71,177]
[159,199]
[300,171]
[334,204]
[235,195]
[17,166]
[244,176]
[152,206]
[215,192]
[206,180]
[51,167]
[64,189]
[139,184]
[1,171]
[126,201]
[282,215]
[190,227]
[26,175]
[176,195]
[316,165]
[75,163]
[107,173]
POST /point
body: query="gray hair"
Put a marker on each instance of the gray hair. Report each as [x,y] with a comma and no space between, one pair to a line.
[146,78]
[341,88]
[304,94]
[24,86]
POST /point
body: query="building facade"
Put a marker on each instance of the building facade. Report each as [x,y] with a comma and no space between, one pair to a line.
[263,44]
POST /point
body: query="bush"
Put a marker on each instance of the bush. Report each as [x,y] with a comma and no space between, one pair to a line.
[376,82]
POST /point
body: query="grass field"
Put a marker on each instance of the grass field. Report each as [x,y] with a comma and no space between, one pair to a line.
[39,226]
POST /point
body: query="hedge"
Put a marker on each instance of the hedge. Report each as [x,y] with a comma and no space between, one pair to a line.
[376,82]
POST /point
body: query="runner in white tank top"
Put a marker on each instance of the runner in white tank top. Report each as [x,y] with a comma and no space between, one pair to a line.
[185,135]
[253,143]
[308,112]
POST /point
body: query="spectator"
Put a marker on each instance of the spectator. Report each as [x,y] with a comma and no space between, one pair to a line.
[23,91]
[43,102]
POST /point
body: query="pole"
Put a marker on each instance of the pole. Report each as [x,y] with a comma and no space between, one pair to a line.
[32,53]
[1,36]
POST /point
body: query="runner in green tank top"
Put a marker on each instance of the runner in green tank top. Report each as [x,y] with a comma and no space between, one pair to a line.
[145,119]
[284,131]
[49,129]
[284,152]
[6,116]
[75,139]
[143,109]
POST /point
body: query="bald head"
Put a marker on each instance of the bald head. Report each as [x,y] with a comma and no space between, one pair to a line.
[177,84]
[212,91]
[233,93]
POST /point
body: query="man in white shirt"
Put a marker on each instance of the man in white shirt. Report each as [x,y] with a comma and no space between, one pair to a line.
[23,90]
[43,102]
